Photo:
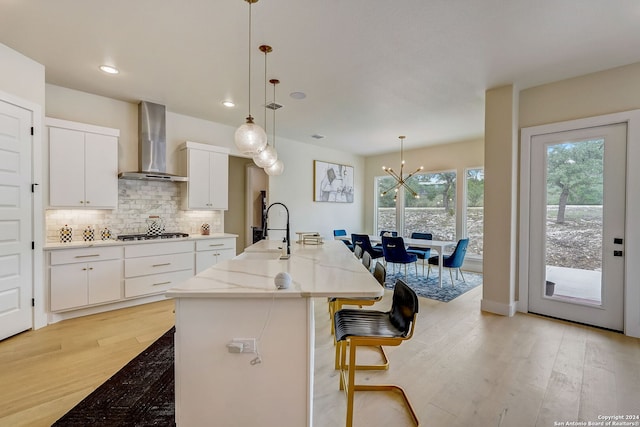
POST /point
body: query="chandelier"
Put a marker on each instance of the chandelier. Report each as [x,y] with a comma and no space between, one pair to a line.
[278,167]
[401,181]
[250,138]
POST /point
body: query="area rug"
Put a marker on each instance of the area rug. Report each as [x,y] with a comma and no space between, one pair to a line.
[140,394]
[429,288]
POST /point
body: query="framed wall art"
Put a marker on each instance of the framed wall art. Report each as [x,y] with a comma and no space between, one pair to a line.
[332,182]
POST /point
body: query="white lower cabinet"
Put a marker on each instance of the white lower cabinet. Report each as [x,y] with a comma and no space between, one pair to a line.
[211,251]
[155,267]
[96,278]
[84,277]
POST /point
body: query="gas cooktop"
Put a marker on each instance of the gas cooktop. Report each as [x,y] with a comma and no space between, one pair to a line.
[128,237]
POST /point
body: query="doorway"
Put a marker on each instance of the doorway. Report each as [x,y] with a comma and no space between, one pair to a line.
[577,225]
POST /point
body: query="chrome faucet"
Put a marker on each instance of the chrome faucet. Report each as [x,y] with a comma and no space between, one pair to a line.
[266,228]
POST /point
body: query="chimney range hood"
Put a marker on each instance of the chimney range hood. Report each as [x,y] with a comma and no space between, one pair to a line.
[152,145]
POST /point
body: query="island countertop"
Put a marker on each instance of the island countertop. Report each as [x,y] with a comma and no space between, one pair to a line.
[326,270]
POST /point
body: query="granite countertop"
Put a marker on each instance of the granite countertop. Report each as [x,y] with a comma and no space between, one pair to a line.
[328,270]
[112,242]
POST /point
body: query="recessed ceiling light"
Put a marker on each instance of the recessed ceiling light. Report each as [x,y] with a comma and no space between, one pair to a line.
[298,95]
[109,69]
[228,104]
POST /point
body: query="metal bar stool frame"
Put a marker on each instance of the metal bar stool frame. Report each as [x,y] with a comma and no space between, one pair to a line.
[343,321]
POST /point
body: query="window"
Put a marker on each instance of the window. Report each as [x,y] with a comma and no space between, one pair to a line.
[474,219]
[434,211]
[385,205]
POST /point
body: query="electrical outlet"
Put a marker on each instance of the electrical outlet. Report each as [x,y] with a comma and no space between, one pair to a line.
[248,344]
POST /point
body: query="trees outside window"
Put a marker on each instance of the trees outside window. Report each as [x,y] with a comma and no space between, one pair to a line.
[474,218]
[574,175]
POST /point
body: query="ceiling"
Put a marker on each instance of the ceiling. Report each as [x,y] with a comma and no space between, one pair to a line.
[371,70]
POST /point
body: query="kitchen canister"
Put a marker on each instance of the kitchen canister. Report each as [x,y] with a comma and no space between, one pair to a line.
[66,234]
[89,234]
[204,229]
[105,234]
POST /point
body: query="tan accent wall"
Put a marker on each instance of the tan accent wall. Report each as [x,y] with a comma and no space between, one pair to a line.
[500,200]
[235,216]
[604,92]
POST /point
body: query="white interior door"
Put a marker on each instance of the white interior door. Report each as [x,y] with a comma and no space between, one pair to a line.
[577,214]
[15,220]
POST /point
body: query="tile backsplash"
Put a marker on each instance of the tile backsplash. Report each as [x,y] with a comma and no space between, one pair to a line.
[136,201]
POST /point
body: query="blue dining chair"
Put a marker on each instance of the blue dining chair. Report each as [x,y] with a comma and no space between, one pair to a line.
[421,253]
[340,235]
[396,253]
[363,241]
[382,233]
[454,260]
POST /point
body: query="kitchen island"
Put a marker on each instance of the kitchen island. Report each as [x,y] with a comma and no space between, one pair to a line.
[265,378]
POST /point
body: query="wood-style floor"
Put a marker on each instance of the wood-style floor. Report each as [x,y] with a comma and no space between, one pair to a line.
[462,367]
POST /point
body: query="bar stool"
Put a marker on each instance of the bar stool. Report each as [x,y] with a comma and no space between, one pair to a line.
[336,304]
[374,328]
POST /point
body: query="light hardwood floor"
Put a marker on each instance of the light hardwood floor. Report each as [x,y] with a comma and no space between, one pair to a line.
[463,367]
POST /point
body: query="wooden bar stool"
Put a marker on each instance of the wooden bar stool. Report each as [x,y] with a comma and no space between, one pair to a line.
[374,328]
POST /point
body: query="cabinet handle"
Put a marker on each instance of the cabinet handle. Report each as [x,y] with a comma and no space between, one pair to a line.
[86,256]
[87,202]
[217,244]
[84,269]
[81,201]
[90,268]
[161,283]
[160,265]
[216,254]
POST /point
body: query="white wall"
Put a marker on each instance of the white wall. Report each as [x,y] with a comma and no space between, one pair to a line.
[294,188]
[21,76]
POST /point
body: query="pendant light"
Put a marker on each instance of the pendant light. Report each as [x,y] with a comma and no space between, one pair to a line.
[278,167]
[401,181]
[268,155]
[250,138]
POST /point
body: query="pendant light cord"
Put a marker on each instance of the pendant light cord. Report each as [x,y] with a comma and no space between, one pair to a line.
[265,91]
[274,117]
[249,58]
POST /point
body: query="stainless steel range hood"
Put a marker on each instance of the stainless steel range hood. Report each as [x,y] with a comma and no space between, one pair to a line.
[152,145]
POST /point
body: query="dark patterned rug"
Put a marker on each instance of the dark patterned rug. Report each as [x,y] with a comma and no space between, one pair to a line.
[429,288]
[140,394]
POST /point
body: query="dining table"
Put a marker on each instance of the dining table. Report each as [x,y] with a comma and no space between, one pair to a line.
[438,245]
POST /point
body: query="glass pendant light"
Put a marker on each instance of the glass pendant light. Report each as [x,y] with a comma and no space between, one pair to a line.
[278,167]
[250,138]
[268,155]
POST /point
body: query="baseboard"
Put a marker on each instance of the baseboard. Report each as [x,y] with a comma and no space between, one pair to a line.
[498,307]
[57,317]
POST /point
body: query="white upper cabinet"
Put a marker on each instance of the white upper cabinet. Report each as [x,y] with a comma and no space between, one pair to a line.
[207,168]
[83,165]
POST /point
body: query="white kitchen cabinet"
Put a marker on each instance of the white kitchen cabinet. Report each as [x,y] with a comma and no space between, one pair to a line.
[207,168]
[85,277]
[154,268]
[83,165]
[211,251]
